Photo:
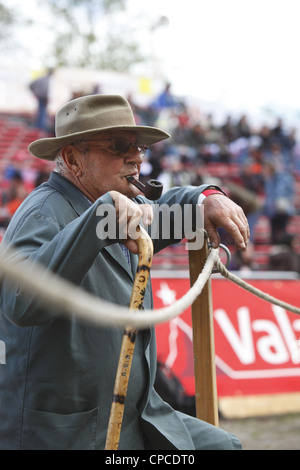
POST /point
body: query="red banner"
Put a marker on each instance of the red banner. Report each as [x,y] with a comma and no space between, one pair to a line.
[257,344]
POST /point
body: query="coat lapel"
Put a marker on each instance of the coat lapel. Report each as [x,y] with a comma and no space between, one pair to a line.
[117,254]
[75,197]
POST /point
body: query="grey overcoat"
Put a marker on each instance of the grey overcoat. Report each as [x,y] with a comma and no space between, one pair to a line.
[57,381]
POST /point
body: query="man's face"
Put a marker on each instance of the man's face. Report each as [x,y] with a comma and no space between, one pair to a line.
[105,167]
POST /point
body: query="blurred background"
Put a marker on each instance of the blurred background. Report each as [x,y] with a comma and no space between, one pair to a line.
[221,76]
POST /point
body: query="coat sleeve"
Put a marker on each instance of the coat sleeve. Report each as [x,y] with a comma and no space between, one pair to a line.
[69,251]
[177,216]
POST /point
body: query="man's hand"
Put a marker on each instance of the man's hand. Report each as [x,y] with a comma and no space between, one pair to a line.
[220,211]
[129,215]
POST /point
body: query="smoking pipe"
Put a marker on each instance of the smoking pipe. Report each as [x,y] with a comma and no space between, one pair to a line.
[152,189]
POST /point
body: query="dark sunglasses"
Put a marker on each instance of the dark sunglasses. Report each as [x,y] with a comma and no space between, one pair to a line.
[122,146]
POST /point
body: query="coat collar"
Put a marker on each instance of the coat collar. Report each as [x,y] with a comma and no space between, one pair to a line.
[75,197]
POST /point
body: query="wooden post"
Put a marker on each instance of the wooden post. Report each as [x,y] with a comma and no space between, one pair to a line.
[203,343]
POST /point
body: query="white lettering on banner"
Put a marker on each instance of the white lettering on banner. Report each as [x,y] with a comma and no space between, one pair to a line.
[296,352]
[285,326]
[278,346]
[257,345]
[296,349]
[241,341]
[270,347]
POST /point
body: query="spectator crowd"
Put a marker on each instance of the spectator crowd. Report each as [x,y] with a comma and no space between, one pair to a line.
[260,165]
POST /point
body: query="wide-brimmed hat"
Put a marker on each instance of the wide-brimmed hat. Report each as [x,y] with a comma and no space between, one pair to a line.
[88,115]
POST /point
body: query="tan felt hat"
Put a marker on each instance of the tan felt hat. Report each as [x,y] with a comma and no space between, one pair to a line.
[88,115]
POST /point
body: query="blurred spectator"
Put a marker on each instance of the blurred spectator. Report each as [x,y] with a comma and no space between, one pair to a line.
[278,133]
[212,132]
[283,255]
[197,145]
[144,115]
[243,261]
[252,172]
[196,137]
[198,175]
[276,155]
[15,190]
[290,140]
[40,89]
[12,197]
[41,177]
[175,175]
[165,99]
[265,135]
[279,195]
[228,130]
[169,387]
[249,200]
[243,128]
[224,155]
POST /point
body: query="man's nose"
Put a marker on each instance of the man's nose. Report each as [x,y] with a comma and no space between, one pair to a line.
[134,156]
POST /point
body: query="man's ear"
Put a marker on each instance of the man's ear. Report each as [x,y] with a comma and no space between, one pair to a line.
[72,158]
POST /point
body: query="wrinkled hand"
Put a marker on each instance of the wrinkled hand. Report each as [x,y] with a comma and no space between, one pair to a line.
[220,211]
[129,215]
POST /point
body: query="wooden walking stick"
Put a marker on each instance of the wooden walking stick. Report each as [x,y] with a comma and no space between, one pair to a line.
[145,248]
[203,343]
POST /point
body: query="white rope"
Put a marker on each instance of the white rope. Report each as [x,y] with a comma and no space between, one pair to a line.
[240,282]
[71,300]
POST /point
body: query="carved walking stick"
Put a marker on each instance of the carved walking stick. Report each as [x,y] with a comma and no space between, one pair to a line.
[145,248]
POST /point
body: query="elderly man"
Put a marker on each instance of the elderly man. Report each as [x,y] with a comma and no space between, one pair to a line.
[57,383]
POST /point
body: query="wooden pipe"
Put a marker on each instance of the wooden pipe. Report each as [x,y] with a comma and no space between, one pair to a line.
[152,189]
